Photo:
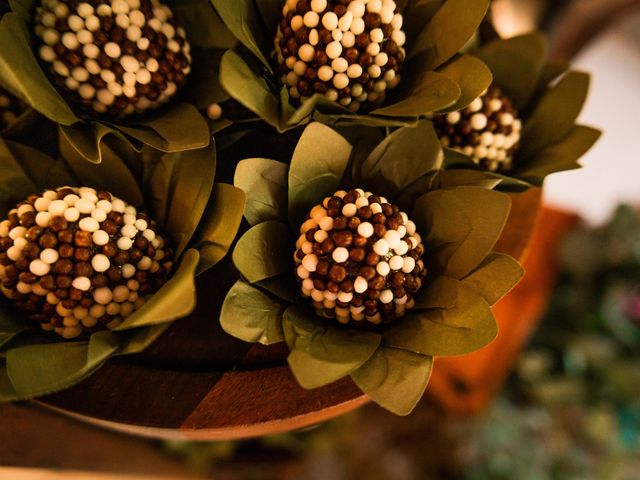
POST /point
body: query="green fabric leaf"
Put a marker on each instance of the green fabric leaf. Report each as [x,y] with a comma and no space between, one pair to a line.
[178,197]
[403,156]
[138,339]
[36,370]
[321,151]
[111,174]
[460,226]
[176,298]
[204,86]
[417,14]
[555,114]
[219,225]
[321,353]
[472,76]
[7,392]
[21,74]
[174,128]
[431,92]
[85,138]
[470,178]
[559,157]
[459,330]
[292,118]
[394,378]
[242,18]
[248,88]
[517,64]
[265,184]
[449,30]
[264,251]
[495,277]
[251,315]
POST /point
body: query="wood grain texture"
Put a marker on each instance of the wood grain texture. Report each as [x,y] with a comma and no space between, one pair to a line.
[198,382]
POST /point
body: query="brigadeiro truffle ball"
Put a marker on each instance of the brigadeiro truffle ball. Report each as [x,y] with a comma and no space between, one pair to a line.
[112,58]
[77,260]
[488,130]
[359,258]
[349,50]
[10,108]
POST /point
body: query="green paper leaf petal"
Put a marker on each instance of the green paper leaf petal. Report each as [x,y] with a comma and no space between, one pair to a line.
[516,64]
[204,28]
[555,114]
[9,326]
[21,74]
[15,185]
[321,151]
[7,392]
[36,370]
[394,378]
[175,128]
[403,156]
[472,76]
[282,286]
[219,225]
[460,226]
[176,298]
[431,92]
[559,157]
[138,339]
[495,277]
[242,18]
[417,14]
[204,88]
[265,184]
[470,178]
[178,197]
[459,330]
[264,251]
[251,315]
[111,174]
[249,89]
[85,138]
[322,353]
[449,30]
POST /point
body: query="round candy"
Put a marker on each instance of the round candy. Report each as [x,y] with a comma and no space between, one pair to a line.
[112,58]
[60,268]
[488,130]
[351,51]
[366,265]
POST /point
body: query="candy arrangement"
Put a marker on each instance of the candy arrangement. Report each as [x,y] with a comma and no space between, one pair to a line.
[367,245]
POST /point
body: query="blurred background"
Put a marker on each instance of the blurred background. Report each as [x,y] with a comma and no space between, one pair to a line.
[570,408]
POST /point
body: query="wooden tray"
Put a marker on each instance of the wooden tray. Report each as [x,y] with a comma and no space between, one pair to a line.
[197,382]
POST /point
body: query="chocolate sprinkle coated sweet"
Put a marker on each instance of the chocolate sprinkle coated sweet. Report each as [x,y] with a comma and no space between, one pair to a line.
[359,258]
[488,130]
[112,58]
[77,260]
[350,51]
[10,108]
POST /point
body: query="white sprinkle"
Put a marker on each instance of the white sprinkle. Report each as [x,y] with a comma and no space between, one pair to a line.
[43,219]
[395,263]
[409,264]
[340,255]
[355,71]
[297,23]
[349,210]
[92,23]
[326,223]
[506,119]
[340,64]
[345,21]
[306,52]
[103,295]
[311,19]
[383,268]
[340,81]
[130,64]
[57,208]
[357,26]
[381,247]
[39,268]
[357,8]
[374,72]
[137,18]
[360,285]
[478,121]
[330,21]
[302,272]
[377,35]
[320,236]
[345,297]
[310,262]
[318,5]
[325,73]
[89,224]
[386,296]
[334,49]
[86,91]
[399,37]
[49,255]
[392,238]
[75,23]
[81,283]
[47,53]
